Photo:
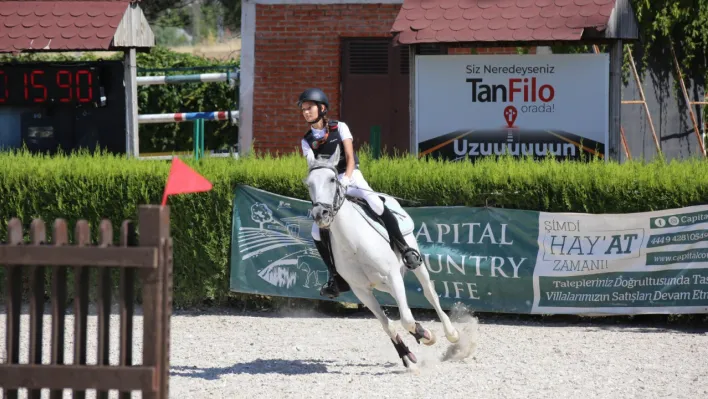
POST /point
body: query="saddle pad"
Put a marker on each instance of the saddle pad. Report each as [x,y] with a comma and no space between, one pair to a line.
[405,222]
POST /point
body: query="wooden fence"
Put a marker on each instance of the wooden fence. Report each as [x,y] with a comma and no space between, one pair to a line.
[149,260]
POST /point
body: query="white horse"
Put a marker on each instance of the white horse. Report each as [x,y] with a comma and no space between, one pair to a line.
[364,258]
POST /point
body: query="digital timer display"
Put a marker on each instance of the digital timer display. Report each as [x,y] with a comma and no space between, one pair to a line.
[39,84]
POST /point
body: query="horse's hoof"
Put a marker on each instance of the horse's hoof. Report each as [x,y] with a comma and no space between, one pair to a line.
[403,352]
[422,335]
[329,292]
[453,338]
[408,358]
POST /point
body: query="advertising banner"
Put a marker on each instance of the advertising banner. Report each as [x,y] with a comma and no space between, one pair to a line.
[496,260]
[481,105]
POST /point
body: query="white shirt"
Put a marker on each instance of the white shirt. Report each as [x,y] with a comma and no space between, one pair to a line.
[344,133]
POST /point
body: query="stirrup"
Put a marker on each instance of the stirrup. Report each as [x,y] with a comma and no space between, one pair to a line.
[330,289]
[411,258]
[334,286]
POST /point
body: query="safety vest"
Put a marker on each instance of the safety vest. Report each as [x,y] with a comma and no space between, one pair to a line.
[328,145]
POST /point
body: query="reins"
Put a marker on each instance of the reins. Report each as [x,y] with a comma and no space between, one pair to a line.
[340,197]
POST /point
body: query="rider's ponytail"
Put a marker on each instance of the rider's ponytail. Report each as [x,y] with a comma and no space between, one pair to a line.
[325,120]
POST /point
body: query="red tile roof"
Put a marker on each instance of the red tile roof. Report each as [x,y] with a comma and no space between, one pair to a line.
[59,25]
[425,21]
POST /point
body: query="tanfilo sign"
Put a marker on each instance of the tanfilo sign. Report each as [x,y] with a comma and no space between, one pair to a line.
[539,105]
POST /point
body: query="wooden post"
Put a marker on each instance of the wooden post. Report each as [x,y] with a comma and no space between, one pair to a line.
[622,136]
[613,144]
[644,100]
[154,227]
[412,50]
[131,105]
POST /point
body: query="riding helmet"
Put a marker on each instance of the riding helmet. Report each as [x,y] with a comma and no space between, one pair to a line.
[315,95]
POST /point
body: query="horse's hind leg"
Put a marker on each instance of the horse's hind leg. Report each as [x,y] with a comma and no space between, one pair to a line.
[367,298]
[431,295]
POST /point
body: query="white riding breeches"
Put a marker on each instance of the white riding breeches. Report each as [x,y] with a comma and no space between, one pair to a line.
[359,188]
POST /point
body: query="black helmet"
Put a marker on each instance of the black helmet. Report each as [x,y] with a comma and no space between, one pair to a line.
[314,95]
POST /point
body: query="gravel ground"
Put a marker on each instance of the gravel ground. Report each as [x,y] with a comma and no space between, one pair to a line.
[231,354]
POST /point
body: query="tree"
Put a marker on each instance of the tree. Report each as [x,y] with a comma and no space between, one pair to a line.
[232,12]
[261,214]
[153,8]
[680,23]
[661,24]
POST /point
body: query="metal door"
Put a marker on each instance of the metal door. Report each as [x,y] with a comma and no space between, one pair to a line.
[374,92]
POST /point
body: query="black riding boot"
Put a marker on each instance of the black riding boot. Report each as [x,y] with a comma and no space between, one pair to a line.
[411,257]
[335,284]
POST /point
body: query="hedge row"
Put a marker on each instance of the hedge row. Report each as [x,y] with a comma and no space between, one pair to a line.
[103,186]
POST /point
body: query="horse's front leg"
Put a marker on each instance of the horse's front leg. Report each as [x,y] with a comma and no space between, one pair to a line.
[366,296]
[398,290]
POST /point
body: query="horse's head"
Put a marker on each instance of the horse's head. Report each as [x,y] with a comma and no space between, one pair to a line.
[326,192]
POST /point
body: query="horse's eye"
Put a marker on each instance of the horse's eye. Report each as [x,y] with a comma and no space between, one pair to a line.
[332,180]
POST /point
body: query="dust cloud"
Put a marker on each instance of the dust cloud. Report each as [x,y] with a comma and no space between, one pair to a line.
[468,326]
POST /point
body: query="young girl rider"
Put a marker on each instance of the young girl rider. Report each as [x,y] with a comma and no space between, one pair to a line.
[322,138]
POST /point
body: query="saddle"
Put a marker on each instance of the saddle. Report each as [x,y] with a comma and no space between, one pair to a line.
[405,222]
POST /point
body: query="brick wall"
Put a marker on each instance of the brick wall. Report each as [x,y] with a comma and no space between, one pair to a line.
[298,46]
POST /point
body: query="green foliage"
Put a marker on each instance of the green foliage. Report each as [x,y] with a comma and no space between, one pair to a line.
[682,22]
[202,21]
[185,97]
[154,8]
[54,57]
[232,12]
[162,99]
[94,187]
[663,23]
[103,186]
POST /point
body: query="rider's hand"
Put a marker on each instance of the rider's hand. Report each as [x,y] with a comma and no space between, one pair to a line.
[346,181]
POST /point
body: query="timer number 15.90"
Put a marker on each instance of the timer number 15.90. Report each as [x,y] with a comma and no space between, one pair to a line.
[40,86]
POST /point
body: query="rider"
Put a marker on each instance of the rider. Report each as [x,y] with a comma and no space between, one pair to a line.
[322,139]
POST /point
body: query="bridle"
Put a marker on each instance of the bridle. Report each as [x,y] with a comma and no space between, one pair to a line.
[339,196]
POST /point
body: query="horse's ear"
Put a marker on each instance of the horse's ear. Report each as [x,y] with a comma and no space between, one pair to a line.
[334,159]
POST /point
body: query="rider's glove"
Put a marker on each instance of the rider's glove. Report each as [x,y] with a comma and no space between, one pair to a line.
[346,182]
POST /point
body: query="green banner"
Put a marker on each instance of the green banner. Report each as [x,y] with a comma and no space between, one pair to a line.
[496,260]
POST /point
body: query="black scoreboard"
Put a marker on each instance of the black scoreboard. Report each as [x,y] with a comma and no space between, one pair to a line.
[40,84]
[63,105]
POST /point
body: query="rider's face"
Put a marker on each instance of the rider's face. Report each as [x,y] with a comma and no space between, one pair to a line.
[309,111]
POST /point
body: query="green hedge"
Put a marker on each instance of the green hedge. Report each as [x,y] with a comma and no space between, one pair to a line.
[100,186]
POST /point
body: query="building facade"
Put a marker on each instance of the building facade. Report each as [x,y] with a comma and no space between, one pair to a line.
[343,47]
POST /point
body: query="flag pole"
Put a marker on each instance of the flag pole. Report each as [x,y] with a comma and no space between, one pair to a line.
[169,174]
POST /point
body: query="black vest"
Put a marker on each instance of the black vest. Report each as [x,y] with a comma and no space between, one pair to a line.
[334,140]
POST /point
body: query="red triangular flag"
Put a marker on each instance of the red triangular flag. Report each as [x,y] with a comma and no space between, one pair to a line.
[183,179]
